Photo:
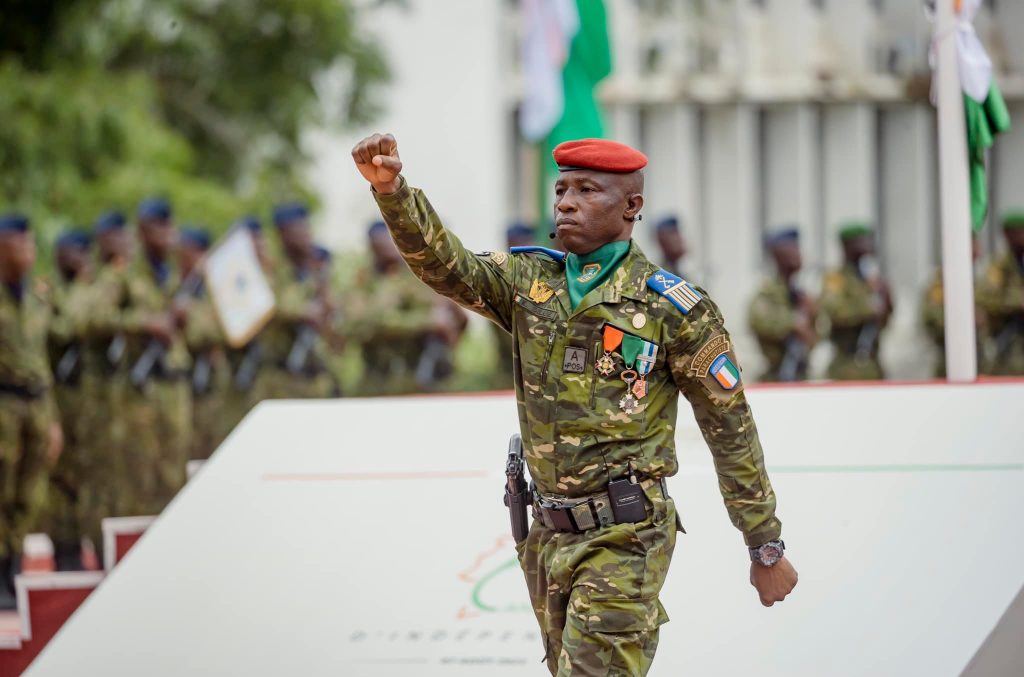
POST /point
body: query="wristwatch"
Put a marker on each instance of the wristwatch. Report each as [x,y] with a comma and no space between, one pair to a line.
[768,554]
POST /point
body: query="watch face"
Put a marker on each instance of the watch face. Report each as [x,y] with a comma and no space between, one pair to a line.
[769,554]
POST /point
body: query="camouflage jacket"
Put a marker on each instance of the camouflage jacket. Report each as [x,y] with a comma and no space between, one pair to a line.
[1000,295]
[390,316]
[576,436]
[850,304]
[772,317]
[294,296]
[65,333]
[123,299]
[24,327]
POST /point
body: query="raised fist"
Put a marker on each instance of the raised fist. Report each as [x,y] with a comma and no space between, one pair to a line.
[376,158]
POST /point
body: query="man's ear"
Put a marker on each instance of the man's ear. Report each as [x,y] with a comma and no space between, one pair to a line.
[634,203]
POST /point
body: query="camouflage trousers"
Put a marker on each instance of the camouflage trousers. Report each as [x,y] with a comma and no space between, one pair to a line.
[24,440]
[209,417]
[595,594]
[101,441]
[60,518]
[159,427]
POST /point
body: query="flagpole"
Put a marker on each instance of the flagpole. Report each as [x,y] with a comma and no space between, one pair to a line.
[954,199]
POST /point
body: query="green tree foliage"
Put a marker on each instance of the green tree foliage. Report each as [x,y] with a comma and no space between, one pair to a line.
[204,101]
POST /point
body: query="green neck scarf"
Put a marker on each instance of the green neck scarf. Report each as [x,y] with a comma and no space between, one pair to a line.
[589,271]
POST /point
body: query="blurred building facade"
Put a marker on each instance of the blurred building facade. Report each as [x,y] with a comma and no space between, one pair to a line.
[754,113]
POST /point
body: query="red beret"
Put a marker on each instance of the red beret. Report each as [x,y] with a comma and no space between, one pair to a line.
[598,154]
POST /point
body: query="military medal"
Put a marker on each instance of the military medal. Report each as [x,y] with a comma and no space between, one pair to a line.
[628,402]
[631,349]
[612,338]
[644,363]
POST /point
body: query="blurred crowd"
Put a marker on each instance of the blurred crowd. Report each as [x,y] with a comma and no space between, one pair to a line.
[115,370]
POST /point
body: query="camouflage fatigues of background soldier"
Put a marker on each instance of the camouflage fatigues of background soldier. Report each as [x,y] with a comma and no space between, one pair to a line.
[156,411]
[595,593]
[1001,297]
[858,305]
[75,395]
[27,411]
[293,344]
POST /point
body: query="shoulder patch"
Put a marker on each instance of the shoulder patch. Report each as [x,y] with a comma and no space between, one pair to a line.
[553,253]
[677,290]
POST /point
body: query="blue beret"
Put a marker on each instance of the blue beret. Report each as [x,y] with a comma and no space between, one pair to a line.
[251,223]
[154,208]
[73,238]
[195,235]
[668,223]
[519,230]
[112,220]
[13,223]
[288,212]
[322,253]
[780,235]
[377,227]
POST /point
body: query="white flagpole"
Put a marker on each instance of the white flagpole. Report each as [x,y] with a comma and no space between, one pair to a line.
[954,194]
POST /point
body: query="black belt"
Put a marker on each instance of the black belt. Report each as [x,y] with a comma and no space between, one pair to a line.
[25,392]
[579,515]
[309,372]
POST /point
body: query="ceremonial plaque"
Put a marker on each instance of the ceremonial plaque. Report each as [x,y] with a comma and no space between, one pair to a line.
[240,291]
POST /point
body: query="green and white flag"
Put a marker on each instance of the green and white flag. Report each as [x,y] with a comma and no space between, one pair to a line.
[985,111]
[565,54]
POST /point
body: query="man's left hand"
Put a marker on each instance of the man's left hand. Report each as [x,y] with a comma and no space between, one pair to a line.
[773,583]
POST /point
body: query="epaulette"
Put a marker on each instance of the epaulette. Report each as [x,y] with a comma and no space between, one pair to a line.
[553,253]
[677,290]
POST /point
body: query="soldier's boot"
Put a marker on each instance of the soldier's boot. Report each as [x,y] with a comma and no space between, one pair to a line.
[67,555]
[8,600]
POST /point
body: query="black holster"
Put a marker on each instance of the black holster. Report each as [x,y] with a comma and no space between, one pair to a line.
[517,493]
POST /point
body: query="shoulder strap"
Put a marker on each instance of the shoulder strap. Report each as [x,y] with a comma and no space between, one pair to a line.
[553,253]
[677,290]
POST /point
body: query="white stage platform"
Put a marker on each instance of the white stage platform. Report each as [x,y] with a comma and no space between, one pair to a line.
[368,538]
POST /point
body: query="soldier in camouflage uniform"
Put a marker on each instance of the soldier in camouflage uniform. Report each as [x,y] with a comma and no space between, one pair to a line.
[782,315]
[403,332]
[30,436]
[1001,297]
[858,304]
[604,343]
[293,342]
[102,434]
[211,375]
[74,396]
[138,303]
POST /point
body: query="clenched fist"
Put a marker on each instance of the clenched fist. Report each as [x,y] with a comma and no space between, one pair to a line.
[376,158]
[773,583]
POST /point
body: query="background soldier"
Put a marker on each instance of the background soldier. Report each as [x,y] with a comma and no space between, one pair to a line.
[1001,296]
[102,436]
[73,394]
[294,365]
[858,303]
[404,334]
[597,405]
[672,244]
[138,303]
[782,315]
[30,435]
[211,376]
